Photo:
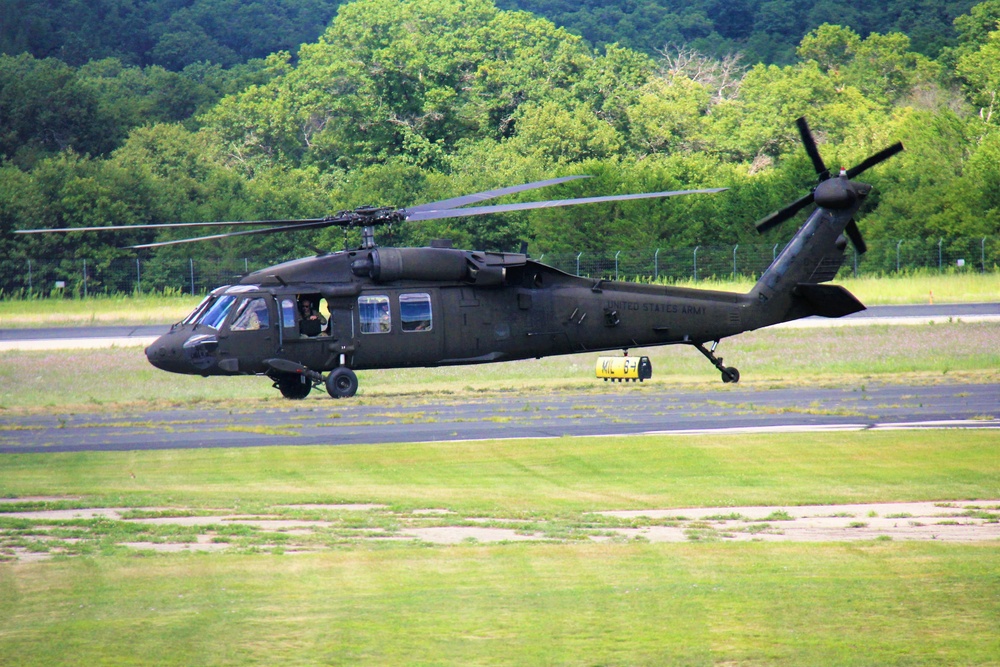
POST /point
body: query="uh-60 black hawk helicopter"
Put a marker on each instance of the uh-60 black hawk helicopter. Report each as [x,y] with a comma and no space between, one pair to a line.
[438,305]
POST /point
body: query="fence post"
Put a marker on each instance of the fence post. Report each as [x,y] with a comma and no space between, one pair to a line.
[855,262]
[656,264]
[578,263]
[897,255]
[246,265]
[616,263]
[940,241]
[138,277]
[774,252]
[84,279]
[734,260]
[191,263]
[32,289]
[982,255]
[696,263]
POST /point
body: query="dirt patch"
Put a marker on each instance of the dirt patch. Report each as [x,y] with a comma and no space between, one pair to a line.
[961,521]
[351,507]
[956,521]
[204,543]
[263,522]
[458,534]
[114,513]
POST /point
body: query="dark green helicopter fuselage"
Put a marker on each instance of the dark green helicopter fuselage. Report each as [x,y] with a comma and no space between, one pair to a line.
[413,307]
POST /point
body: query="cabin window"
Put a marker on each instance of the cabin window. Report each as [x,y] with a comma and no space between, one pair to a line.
[251,316]
[287,313]
[374,313]
[415,312]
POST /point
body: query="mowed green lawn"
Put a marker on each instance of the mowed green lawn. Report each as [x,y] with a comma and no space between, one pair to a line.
[571,601]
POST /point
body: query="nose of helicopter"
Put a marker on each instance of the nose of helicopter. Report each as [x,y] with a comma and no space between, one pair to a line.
[183,351]
[165,354]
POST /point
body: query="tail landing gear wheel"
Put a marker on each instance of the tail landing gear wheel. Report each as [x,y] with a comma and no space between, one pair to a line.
[295,387]
[729,374]
[342,383]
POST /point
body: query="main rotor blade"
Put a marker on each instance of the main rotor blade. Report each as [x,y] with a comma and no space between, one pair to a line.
[776,218]
[524,206]
[122,228]
[314,224]
[881,156]
[810,143]
[455,202]
[854,234]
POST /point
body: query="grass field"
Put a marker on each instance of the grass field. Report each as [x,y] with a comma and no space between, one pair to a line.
[563,599]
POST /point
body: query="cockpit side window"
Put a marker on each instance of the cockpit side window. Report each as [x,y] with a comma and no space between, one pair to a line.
[252,315]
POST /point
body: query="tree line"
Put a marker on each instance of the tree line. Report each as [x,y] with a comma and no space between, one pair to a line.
[179,33]
[399,103]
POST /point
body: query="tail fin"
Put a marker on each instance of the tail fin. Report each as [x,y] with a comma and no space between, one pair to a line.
[826,300]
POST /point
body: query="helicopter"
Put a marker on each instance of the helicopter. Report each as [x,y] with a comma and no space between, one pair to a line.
[389,307]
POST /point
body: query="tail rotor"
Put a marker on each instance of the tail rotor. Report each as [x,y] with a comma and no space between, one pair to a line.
[833,193]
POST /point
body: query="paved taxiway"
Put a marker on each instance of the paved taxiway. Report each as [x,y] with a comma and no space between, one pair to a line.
[610,410]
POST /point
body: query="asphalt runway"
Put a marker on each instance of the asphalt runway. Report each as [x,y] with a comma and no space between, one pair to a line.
[611,410]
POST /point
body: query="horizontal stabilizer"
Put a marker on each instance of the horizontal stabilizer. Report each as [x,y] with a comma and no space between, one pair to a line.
[828,300]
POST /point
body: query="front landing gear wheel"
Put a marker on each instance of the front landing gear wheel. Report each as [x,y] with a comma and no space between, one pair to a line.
[730,374]
[342,383]
[295,387]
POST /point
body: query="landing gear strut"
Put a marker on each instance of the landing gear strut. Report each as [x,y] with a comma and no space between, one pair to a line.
[295,381]
[729,373]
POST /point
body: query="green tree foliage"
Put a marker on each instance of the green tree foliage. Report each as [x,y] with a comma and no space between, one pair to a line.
[47,106]
[763,30]
[172,34]
[402,102]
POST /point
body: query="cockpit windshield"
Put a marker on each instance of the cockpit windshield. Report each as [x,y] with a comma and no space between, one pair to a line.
[196,313]
[215,315]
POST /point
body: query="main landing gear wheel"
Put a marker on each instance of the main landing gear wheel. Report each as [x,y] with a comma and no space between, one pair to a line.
[342,383]
[730,374]
[295,387]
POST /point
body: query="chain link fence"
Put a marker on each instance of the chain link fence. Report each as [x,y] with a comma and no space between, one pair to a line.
[82,277]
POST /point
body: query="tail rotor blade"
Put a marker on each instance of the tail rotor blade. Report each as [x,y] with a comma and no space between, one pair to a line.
[881,156]
[779,216]
[854,234]
[810,144]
